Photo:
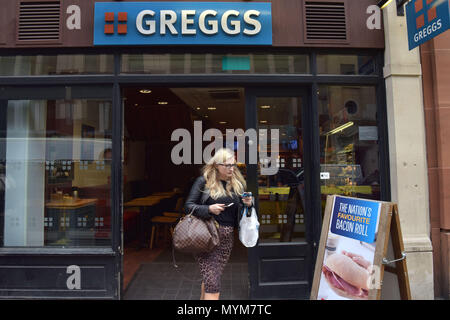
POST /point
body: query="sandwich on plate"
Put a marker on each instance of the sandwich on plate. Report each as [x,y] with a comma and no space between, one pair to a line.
[346,278]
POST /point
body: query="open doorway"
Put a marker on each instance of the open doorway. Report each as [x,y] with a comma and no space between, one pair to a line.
[154,188]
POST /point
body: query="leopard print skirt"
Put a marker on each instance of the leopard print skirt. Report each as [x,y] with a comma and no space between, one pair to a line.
[212,263]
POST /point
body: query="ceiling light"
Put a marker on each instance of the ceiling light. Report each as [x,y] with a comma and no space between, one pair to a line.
[198,108]
[341,128]
[384,3]
[162,102]
[222,122]
[265,107]
[399,3]
[211,108]
[263,121]
[145,91]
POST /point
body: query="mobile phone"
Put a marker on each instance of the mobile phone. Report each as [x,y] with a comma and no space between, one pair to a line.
[229,205]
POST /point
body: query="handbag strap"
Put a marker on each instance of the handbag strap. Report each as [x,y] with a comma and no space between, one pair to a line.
[193,209]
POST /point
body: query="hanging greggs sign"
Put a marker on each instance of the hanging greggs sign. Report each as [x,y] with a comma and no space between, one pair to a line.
[426,19]
[182,23]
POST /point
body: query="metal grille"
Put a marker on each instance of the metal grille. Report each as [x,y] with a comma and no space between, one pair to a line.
[39,21]
[325,21]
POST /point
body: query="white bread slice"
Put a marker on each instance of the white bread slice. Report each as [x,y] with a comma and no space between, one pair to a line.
[348,270]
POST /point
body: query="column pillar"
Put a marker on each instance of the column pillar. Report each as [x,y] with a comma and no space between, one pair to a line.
[407,151]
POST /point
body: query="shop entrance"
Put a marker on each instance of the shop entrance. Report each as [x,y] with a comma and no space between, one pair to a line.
[155,187]
[277,168]
[281,265]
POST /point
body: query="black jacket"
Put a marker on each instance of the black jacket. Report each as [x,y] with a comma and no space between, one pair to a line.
[198,196]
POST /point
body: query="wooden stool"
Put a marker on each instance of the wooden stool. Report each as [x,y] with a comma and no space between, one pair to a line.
[177,213]
[173,214]
[161,221]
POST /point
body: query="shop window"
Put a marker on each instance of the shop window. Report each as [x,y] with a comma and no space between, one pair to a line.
[61,64]
[55,169]
[349,148]
[281,194]
[345,64]
[215,63]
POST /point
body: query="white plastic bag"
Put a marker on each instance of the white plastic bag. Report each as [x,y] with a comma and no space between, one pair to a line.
[249,228]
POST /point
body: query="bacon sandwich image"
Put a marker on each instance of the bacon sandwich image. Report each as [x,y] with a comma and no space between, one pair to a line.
[345,277]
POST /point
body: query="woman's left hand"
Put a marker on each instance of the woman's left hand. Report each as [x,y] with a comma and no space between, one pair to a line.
[247,201]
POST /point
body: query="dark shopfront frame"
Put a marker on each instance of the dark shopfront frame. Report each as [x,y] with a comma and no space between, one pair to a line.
[113,256]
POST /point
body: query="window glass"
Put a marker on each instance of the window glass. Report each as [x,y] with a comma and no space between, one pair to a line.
[281,190]
[349,148]
[345,64]
[67,64]
[215,63]
[55,169]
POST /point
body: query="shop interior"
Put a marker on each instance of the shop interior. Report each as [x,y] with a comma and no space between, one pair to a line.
[75,178]
[62,154]
[154,188]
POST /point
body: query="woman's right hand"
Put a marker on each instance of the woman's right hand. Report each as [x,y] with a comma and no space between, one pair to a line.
[216,208]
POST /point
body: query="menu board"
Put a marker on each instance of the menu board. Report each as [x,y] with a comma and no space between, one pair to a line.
[347,258]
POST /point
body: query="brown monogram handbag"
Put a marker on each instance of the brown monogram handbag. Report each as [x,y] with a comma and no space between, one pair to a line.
[195,235]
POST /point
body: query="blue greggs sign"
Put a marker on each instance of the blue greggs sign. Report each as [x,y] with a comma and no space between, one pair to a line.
[182,23]
[426,19]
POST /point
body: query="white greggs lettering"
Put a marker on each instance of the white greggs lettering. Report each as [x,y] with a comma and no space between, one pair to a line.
[425,32]
[229,22]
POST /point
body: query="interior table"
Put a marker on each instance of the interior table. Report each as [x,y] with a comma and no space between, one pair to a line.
[143,204]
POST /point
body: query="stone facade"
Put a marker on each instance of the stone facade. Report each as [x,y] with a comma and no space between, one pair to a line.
[435,56]
[407,151]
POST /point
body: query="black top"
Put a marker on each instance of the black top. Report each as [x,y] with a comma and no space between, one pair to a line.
[199,199]
[229,216]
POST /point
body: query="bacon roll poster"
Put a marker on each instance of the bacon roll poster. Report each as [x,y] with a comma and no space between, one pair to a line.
[349,250]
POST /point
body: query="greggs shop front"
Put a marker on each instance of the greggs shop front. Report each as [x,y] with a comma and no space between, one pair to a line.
[108,108]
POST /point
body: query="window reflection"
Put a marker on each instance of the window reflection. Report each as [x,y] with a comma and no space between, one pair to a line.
[345,64]
[281,195]
[56,64]
[349,142]
[56,172]
[215,63]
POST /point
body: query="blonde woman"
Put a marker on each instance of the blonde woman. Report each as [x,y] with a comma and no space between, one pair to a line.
[217,194]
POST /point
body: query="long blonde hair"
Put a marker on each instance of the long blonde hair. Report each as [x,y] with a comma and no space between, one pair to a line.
[236,183]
